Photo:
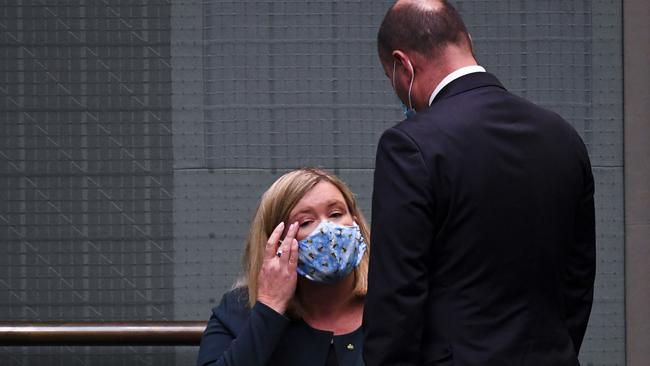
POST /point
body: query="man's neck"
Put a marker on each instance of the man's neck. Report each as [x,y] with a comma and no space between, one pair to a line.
[434,71]
[462,71]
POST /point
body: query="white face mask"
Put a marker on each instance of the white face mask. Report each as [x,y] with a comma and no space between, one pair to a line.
[408,111]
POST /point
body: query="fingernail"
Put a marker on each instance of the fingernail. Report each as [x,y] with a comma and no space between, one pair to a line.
[281,224]
[291,226]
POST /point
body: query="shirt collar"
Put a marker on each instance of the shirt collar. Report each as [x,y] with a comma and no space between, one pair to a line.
[453,76]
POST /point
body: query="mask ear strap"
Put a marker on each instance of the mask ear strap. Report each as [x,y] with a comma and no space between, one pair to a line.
[393,80]
[411,85]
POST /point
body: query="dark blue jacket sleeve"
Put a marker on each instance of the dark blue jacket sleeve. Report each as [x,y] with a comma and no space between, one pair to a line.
[236,337]
[581,267]
[402,236]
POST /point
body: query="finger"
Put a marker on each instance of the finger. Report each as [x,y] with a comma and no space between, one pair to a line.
[286,242]
[272,243]
[293,257]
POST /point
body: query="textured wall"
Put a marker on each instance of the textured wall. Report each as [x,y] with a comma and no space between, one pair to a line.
[137,137]
[637,181]
[85,170]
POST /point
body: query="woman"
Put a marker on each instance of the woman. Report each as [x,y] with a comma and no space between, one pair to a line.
[300,300]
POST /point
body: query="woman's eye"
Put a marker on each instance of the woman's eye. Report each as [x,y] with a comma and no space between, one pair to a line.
[336,214]
[305,223]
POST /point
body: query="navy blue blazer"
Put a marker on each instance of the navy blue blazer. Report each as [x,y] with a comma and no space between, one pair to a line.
[237,335]
[483,239]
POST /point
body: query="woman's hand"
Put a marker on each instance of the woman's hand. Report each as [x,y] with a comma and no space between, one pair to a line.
[276,282]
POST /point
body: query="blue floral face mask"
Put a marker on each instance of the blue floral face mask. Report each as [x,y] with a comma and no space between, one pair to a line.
[330,252]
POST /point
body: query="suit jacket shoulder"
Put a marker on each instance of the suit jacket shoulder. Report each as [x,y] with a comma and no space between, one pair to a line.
[233,310]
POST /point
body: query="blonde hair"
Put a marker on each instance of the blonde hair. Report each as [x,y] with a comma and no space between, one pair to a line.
[274,207]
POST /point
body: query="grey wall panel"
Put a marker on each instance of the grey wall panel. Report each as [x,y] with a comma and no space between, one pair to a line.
[605,340]
[606,131]
[83,356]
[360,182]
[213,209]
[637,181]
[86,177]
[188,140]
[187,83]
[294,83]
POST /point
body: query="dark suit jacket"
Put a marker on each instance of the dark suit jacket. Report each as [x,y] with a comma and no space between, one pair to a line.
[483,244]
[237,335]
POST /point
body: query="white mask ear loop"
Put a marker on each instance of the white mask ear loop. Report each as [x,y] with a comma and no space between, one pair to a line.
[410,86]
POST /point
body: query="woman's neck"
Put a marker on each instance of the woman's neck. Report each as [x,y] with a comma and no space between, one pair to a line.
[331,307]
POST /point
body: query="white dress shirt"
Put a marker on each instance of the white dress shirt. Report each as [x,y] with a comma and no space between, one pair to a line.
[453,76]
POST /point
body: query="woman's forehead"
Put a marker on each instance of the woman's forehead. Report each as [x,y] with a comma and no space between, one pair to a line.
[324,194]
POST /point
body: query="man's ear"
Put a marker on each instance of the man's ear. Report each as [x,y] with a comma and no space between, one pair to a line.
[403,60]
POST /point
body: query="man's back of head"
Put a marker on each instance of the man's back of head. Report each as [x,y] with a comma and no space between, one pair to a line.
[423,26]
[420,42]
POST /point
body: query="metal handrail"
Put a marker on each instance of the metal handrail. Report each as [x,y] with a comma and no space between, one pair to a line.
[173,333]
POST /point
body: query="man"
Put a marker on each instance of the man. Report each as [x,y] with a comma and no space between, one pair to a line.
[483,244]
